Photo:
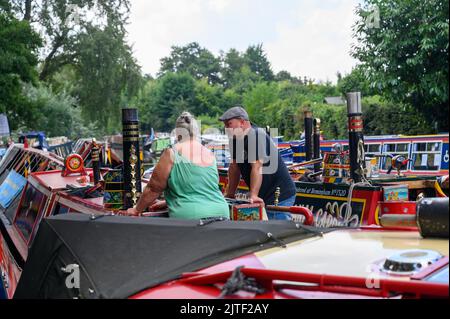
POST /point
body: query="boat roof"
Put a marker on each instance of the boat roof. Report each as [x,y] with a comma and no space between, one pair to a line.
[121,256]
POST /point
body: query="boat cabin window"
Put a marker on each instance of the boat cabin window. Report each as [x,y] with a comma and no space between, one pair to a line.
[394,149]
[29,212]
[427,156]
[372,150]
[60,209]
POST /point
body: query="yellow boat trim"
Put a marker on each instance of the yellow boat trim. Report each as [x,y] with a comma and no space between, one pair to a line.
[439,190]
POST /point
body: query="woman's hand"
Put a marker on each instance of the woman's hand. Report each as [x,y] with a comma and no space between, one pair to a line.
[158,205]
[229,195]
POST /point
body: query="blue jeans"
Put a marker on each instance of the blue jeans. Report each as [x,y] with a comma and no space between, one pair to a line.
[279,215]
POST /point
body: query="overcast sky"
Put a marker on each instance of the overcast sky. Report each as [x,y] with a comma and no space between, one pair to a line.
[305,37]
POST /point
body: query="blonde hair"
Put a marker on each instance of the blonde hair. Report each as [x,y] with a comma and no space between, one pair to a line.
[186,127]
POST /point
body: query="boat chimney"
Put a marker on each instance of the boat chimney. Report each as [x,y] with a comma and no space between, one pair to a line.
[355,136]
[308,135]
[131,159]
[95,155]
[316,143]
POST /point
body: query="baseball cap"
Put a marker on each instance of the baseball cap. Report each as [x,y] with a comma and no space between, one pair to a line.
[234,112]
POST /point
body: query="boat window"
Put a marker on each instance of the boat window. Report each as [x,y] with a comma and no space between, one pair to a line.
[374,148]
[371,151]
[434,147]
[60,209]
[29,211]
[394,149]
[420,147]
[390,148]
[427,156]
[402,148]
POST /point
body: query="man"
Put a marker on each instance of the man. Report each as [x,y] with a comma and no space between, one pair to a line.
[255,156]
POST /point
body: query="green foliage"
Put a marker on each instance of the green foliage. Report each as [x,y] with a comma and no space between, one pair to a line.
[256,59]
[88,73]
[333,120]
[258,100]
[233,62]
[18,58]
[61,22]
[382,117]
[193,59]
[405,57]
[84,54]
[209,99]
[108,75]
[210,122]
[162,101]
[56,114]
[355,81]
[244,80]
[283,76]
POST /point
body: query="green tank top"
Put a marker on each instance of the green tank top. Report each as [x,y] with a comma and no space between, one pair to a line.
[193,191]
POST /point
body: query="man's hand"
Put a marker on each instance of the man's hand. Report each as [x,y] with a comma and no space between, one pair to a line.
[254,199]
[129,212]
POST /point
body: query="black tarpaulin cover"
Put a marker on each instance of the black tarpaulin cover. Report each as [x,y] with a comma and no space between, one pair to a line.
[121,256]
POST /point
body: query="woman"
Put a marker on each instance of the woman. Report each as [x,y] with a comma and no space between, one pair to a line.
[187,174]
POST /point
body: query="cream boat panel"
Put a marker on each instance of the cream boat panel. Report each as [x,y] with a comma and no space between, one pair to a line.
[347,252]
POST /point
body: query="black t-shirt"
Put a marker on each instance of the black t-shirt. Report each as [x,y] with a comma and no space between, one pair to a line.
[257,145]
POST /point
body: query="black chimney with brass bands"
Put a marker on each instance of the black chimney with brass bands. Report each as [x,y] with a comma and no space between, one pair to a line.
[131,159]
[355,136]
[308,135]
[95,154]
[316,143]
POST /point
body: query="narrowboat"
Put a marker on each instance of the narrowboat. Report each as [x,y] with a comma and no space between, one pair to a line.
[59,243]
[61,235]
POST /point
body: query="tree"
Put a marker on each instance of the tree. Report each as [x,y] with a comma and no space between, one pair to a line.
[18,59]
[192,59]
[62,21]
[65,119]
[257,60]
[209,99]
[355,81]
[172,94]
[405,53]
[5,6]
[258,100]
[109,75]
[382,117]
[283,76]
[244,80]
[233,62]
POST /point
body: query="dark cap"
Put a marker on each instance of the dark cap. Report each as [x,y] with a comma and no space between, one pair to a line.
[233,113]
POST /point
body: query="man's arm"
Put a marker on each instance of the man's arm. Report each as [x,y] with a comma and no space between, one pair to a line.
[255,182]
[234,176]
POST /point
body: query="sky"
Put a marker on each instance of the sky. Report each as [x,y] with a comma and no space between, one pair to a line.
[304,37]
